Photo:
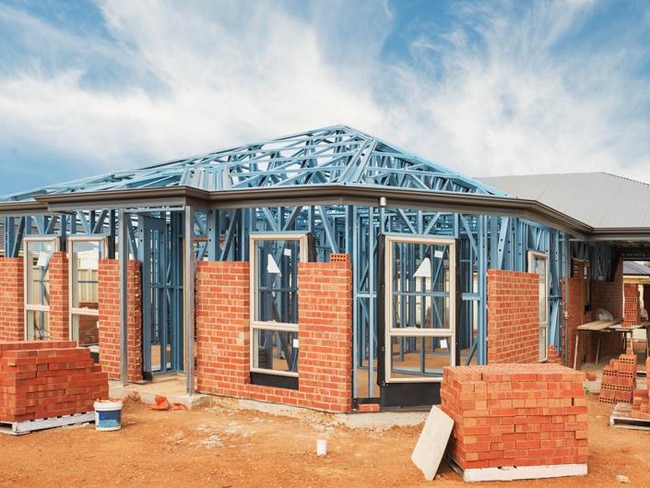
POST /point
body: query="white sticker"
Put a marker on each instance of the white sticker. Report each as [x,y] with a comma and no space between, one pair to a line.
[438,254]
[443,343]
[43,259]
[295,344]
[287,252]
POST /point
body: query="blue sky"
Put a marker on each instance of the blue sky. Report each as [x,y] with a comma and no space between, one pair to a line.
[483,87]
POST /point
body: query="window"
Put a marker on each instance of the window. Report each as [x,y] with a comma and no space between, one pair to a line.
[537,263]
[274,302]
[420,308]
[85,254]
[37,287]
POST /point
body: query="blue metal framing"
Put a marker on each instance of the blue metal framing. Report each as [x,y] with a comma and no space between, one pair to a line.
[335,155]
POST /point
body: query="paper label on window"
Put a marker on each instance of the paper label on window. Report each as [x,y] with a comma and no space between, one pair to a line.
[287,252]
[443,343]
[43,259]
[438,254]
[295,344]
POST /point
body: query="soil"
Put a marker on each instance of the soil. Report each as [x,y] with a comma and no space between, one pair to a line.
[222,447]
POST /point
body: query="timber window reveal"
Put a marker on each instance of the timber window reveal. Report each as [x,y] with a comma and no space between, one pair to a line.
[538,264]
[85,254]
[420,308]
[274,306]
[37,255]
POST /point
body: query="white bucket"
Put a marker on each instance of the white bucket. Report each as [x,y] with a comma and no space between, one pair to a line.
[321,447]
[108,415]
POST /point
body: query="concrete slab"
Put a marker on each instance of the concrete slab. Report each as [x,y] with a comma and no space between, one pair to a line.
[432,443]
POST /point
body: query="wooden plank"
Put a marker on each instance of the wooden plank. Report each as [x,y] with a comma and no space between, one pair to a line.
[513,473]
[598,325]
[27,426]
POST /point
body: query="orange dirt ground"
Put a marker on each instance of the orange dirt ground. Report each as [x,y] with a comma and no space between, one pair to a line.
[222,447]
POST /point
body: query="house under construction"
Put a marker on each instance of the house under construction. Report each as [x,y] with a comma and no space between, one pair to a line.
[326,269]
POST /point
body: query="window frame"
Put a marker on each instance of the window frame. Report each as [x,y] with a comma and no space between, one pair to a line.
[31,308]
[392,332]
[75,311]
[534,256]
[258,325]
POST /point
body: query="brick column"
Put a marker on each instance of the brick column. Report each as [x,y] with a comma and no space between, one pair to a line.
[12,299]
[325,332]
[109,318]
[631,307]
[222,327]
[59,298]
[513,317]
[573,291]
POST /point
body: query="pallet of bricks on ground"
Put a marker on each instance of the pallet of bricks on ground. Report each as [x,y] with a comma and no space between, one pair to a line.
[511,416]
[47,379]
[619,380]
[640,404]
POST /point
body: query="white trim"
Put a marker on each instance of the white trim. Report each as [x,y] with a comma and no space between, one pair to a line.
[76,311]
[391,332]
[536,255]
[27,283]
[256,325]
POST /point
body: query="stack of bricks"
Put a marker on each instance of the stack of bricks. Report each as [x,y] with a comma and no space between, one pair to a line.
[640,401]
[47,379]
[516,415]
[619,380]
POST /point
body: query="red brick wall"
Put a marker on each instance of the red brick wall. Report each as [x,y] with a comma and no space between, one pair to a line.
[573,289]
[607,295]
[513,317]
[324,331]
[515,415]
[12,299]
[631,306]
[45,379]
[59,298]
[109,318]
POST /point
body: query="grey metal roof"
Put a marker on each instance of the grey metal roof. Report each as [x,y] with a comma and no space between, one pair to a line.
[635,269]
[600,200]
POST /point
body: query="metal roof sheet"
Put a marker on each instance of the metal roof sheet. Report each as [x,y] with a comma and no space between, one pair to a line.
[600,200]
[636,269]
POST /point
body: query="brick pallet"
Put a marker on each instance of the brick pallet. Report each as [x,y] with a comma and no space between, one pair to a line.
[634,414]
[47,380]
[516,421]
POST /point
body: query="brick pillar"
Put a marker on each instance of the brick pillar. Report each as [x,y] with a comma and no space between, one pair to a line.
[631,307]
[59,299]
[573,292]
[222,327]
[608,295]
[12,299]
[109,318]
[325,332]
[513,317]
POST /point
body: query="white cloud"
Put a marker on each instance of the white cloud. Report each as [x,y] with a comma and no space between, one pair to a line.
[499,90]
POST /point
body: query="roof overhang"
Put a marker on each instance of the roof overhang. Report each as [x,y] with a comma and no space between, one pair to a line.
[331,194]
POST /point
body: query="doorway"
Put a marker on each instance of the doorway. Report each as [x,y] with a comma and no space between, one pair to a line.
[160,252]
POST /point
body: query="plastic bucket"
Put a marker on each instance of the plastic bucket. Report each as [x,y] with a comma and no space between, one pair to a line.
[108,415]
